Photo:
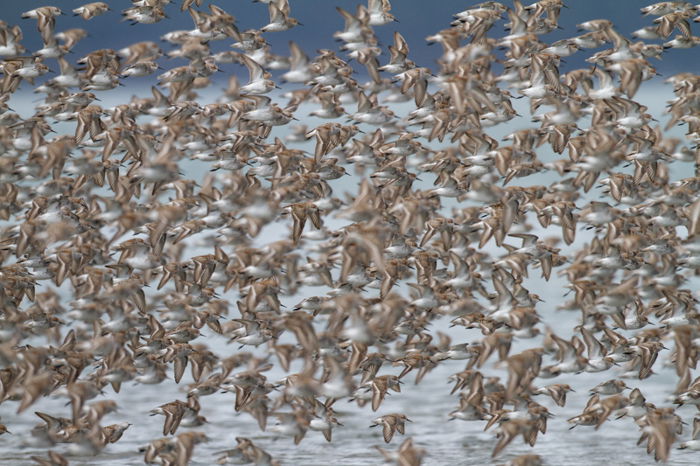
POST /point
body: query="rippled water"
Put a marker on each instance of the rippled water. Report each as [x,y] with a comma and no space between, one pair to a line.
[447,442]
[428,404]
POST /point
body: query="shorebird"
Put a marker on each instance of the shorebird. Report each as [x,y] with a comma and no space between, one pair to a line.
[144,14]
[138,236]
[90,10]
[407,454]
[259,82]
[299,71]
[46,20]
[279,17]
[391,423]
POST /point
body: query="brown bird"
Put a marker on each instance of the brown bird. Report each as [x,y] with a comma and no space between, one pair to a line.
[391,423]
[90,10]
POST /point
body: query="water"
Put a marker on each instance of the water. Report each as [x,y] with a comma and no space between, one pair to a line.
[427,405]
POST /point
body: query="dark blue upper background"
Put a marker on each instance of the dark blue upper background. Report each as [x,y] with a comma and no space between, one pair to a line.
[418,19]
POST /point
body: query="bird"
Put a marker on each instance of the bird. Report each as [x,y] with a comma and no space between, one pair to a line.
[497,210]
[391,423]
[279,17]
[90,10]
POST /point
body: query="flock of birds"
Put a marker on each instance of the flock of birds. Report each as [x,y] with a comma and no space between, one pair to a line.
[98,287]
